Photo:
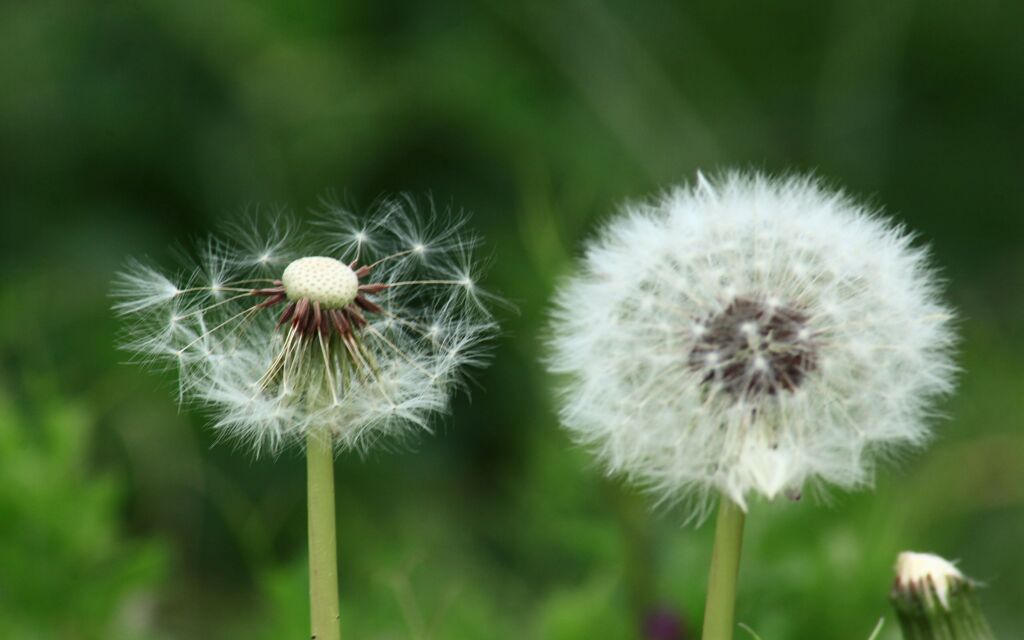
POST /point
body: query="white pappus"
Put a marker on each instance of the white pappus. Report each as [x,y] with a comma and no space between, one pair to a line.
[357,329]
[747,336]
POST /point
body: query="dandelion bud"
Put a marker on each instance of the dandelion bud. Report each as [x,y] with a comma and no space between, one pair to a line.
[934,600]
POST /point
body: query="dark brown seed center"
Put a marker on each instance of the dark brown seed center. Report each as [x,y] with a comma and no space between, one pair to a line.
[754,348]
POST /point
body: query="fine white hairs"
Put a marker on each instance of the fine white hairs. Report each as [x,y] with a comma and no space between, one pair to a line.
[749,335]
[357,330]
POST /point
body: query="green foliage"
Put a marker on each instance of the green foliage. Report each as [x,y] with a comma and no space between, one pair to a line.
[406,603]
[68,569]
[587,610]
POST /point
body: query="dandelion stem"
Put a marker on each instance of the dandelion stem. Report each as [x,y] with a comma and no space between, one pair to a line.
[725,568]
[323,551]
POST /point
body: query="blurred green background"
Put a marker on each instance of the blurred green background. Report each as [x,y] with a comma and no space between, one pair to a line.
[128,126]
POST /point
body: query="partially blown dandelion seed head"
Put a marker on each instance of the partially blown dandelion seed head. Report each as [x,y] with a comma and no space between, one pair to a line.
[358,331]
[749,337]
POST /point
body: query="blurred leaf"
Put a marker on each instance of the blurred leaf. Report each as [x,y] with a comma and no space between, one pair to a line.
[68,571]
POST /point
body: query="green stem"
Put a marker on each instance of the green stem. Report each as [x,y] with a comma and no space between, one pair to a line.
[923,617]
[725,568]
[323,549]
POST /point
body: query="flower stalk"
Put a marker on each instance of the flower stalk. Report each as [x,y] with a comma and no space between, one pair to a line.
[725,568]
[934,601]
[323,551]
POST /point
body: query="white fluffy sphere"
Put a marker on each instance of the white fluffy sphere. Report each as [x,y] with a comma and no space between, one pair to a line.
[748,337]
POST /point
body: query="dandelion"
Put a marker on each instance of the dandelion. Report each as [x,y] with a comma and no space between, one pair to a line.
[350,335]
[933,599]
[749,337]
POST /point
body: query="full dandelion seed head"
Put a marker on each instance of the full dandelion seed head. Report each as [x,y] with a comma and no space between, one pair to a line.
[749,337]
[359,331]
